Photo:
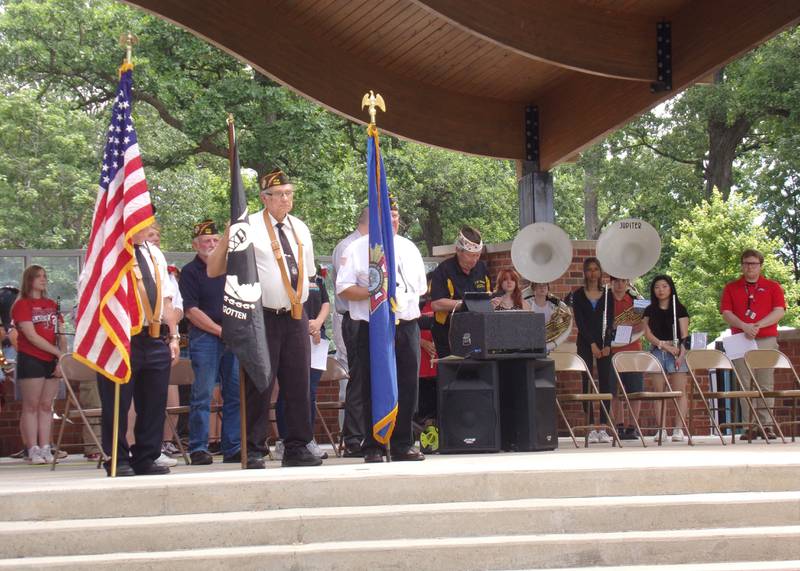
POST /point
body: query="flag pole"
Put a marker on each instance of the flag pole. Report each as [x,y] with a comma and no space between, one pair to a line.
[127,41]
[242,378]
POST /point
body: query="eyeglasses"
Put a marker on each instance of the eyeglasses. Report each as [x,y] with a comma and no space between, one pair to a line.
[751,264]
[284,194]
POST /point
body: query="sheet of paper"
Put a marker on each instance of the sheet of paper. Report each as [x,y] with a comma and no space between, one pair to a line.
[737,345]
[699,340]
[319,354]
[623,336]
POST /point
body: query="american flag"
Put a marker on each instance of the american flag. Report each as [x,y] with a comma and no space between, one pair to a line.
[108,308]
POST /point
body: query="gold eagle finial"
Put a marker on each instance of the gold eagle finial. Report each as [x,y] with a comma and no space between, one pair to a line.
[374,102]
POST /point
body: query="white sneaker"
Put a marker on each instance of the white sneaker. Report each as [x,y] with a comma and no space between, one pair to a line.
[664,436]
[46,454]
[168,447]
[677,435]
[35,456]
[278,454]
[314,448]
[603,437]
[165,460]
[594,437]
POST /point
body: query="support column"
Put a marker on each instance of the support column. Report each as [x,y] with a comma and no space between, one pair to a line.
[534,187]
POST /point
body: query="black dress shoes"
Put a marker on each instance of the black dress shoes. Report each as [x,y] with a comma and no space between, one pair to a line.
[296,457]
[353,450]
[201,458]
[407,455]
[153,470]
[373,456]
[255,462]
[234,458]
[123,470]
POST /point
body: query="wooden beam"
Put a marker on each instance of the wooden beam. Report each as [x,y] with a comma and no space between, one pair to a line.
[563,33]
[319,71]
[705,36]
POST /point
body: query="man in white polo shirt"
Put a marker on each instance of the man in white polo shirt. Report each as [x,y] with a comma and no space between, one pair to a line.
[352,284]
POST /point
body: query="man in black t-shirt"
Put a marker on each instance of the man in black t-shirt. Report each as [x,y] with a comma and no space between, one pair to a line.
[451,279]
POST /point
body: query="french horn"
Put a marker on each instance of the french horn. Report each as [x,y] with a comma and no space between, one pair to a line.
[541,253]
[628,249]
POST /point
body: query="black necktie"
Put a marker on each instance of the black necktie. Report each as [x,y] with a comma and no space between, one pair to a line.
[147,276]
[287,253]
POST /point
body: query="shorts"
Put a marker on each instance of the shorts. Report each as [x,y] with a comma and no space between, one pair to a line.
[29,367]
[668,362]
[633,383]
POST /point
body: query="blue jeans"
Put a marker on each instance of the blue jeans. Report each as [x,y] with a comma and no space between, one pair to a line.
[313,378]
[211,360]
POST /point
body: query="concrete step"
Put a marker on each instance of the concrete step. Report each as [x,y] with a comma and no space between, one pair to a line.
[793,565]
[443,554]
[416,521]
[384,484]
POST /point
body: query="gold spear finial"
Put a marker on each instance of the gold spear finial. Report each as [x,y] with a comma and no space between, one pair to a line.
[374,102]
[230,119]
[127,41]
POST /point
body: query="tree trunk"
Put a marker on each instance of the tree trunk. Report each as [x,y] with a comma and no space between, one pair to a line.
[723,140]
[591,217]
[431,225]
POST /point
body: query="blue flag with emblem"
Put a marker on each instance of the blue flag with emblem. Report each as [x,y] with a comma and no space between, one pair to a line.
[383,367]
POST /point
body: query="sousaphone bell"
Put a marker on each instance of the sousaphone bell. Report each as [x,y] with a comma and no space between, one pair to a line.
[541,253]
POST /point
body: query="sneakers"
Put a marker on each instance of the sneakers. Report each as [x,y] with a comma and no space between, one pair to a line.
[35,456]
[677,435]
[278,453]
[594,437]
[603,437]
[664,436]
[295,457]
[165,460]
[201,458]
[314,448]
[168,447]
[47,454]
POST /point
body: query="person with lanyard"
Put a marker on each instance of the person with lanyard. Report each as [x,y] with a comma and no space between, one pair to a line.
[211,359]
[39,346]
[352,283]
[666,327]
[754,305]
[285,260]
[317,307]
[154,350]
[588,306]
[344,332]
[451,279]
[633,382]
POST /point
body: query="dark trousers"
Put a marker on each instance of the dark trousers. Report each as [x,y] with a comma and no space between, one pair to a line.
[441,338]
[406,341]
[290,356]
[150,369]
[355,421]
[603,378]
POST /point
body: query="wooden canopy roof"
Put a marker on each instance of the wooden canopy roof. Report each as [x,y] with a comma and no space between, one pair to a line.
[459,73]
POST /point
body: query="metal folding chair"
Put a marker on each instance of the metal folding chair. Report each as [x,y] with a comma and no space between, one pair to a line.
[705,360]
[334,372]
[74,371]
[758,359]
[643,362]
[181,374]
[570,362]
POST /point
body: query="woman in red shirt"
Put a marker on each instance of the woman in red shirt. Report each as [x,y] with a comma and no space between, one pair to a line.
[37,361]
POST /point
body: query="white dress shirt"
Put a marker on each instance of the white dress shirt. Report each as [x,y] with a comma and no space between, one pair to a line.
[273,292]
[342,305]
[410,274]
[167,287]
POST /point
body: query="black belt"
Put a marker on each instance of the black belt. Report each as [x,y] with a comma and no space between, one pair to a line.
[407,321]
[281,311]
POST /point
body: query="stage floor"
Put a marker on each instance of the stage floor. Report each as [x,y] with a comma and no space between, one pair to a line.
[707,451]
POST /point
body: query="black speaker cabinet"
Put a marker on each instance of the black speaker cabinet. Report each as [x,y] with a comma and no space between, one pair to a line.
[498,335]
[469,407]
[528,404]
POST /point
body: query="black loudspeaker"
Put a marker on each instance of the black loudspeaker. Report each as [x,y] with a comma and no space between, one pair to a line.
[498,335]
[528,404]
[469,407]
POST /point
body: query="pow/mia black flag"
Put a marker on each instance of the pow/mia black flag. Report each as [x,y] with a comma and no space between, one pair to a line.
[242,315]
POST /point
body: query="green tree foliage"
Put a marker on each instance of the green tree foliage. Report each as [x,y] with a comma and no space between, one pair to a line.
[707,249]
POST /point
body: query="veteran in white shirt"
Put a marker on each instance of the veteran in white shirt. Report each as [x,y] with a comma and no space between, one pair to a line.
[352,284]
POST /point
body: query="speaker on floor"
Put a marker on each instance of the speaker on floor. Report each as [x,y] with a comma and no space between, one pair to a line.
[469,419]
[528,404]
